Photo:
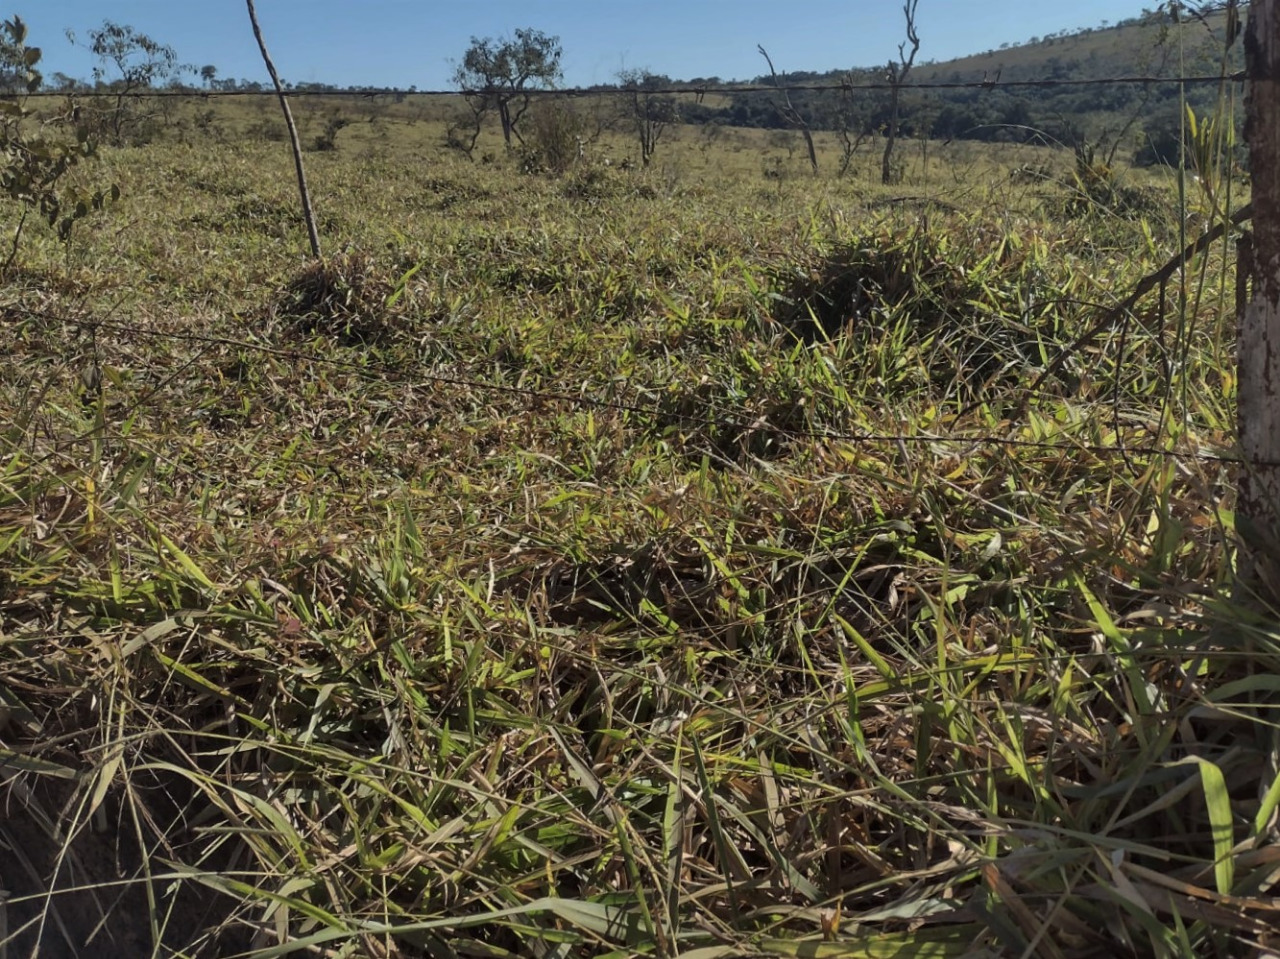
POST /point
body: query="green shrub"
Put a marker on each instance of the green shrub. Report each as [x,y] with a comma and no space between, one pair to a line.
[35,162]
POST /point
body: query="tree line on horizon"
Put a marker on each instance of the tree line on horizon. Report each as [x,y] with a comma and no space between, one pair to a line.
[498,83]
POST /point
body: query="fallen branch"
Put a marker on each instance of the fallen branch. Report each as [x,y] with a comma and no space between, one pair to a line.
[1145,286]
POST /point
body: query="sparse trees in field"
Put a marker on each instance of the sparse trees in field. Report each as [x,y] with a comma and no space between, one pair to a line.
[129,63]
[897,75]
[501,75]
[647,111]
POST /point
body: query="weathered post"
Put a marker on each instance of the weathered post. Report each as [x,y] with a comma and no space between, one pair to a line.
[307,213]
[1259,341]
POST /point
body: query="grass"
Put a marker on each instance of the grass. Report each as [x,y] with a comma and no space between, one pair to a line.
[629,563]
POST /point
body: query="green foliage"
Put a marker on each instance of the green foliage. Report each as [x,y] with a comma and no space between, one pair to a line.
[130,59]
[35,164]
[18,62]
[129,63]
[498,74]
[557,139]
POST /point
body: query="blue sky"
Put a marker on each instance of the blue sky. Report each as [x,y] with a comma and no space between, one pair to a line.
[411,42]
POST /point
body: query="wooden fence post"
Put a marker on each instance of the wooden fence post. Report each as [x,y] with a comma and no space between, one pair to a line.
[1258,508]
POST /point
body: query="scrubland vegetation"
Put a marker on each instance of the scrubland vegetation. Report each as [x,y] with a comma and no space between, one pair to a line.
[595,561]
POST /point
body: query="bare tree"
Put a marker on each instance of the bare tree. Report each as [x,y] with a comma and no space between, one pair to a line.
[897,75]
[648,112]
[463,131]
[789,113]
[851,127]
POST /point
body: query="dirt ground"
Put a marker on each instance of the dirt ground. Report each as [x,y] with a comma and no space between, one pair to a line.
[87,898]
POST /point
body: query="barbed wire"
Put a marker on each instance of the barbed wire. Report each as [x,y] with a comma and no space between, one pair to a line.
[748,420]
[986,83]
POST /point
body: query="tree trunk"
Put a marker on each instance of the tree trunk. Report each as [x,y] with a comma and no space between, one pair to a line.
[886,164]
[504,112]
[813,152]
[1259,343]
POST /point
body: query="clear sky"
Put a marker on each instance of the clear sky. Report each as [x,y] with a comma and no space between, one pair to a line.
[398,43]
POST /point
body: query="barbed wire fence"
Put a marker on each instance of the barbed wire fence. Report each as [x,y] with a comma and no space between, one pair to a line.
[587,398]
[991,83]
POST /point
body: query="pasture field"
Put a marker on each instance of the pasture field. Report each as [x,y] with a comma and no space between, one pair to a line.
[665,562]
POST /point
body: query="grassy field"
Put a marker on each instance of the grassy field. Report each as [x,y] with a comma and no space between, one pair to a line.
[664,561]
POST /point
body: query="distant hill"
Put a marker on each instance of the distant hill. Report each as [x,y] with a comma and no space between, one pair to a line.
[1149,45]
[1137,120]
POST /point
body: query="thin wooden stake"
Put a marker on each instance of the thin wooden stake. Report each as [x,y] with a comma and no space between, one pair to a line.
[307,213]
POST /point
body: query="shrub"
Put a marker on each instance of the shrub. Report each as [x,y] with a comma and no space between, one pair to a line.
[34,162]
[328,140]
[557,139]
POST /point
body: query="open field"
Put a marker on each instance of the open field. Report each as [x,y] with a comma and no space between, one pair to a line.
[627,562]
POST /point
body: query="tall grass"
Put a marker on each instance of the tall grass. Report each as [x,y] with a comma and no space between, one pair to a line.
[623,564]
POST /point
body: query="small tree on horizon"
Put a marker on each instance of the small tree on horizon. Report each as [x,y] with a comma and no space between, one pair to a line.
[648,112]
[851,121]
[129,63]
[502,73]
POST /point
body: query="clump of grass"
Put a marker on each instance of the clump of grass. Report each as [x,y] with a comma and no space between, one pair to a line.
[592,182]
[344,298]
[948,305]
